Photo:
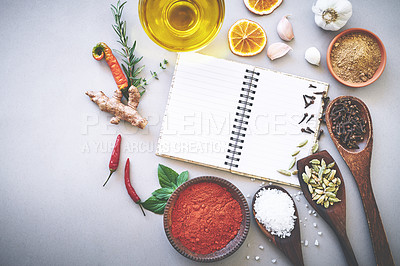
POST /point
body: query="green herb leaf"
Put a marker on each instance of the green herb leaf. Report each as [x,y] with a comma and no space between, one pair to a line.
[182,178]
[154,74]
[125,92]
[174,187]
[169,182]
[163,193]
[166,176]
[155,205]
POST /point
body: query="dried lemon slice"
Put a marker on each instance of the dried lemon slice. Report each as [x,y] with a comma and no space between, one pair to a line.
[246,38]
[262,7]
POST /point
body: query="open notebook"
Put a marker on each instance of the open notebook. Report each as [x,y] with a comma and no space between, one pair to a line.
[237,117]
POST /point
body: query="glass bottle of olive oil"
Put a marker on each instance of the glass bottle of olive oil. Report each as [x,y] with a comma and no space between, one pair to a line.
[182,25]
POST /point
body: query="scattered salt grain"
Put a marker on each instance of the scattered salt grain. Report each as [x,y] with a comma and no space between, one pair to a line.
[306,205]
[316,243]
[300,221]
[275,210]
[248,196]
[270,183]
[297,198]
[305,218]
[252,180]
[273,261]
[263,183]
[309,212]
[257,258]
[299,192]
[302,242]
[261,247]
[248,245]
[306,243]
[304,225]
[320,233]
[247,257]
[314,224]
[315,214]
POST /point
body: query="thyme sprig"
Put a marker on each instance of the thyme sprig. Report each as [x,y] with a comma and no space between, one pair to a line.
[128,52]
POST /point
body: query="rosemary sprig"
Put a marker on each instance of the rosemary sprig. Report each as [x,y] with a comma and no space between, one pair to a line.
[128,53]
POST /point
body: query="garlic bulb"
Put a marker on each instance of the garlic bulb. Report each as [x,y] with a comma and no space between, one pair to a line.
[277,50]
[332,14]
[313,56]
[285,29]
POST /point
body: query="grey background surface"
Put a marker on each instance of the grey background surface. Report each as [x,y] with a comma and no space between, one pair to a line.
[56,144]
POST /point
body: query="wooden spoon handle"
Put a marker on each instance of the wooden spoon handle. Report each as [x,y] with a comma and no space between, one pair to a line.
[346,247]
[360,168]
[295,256]
[380,243]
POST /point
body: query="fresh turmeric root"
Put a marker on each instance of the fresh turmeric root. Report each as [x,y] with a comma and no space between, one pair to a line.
[118,109]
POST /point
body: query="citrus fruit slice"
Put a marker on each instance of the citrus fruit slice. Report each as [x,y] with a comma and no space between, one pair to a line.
[246,38]
[262,7]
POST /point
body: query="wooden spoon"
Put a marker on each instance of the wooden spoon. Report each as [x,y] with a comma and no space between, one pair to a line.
[334,215]
[359,163]
[290,246]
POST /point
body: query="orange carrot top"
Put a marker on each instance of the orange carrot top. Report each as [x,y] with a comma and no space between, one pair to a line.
[98,53]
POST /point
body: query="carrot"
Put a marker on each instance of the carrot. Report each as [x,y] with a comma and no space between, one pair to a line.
[98,53]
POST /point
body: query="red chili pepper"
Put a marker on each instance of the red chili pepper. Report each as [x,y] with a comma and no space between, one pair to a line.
[114,161]
[130,189]
[98,53]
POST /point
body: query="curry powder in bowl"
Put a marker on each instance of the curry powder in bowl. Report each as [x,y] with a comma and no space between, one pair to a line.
[356,57]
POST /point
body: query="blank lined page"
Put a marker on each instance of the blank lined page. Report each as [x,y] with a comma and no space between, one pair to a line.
[274,132]
[201,108]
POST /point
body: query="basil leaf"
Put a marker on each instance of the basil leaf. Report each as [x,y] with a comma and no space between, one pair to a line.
[164,190]
[174,186]
[182,178]
[154,205]
[169,181]
[163,197]
[166,176]
[163,193]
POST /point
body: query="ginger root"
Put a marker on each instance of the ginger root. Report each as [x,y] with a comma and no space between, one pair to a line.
[118,109]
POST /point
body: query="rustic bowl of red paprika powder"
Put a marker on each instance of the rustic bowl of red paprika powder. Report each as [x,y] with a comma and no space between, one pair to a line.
[207,219]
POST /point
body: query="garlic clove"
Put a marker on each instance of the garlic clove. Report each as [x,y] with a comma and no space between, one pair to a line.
[277,50]
[285,29]
[313,56]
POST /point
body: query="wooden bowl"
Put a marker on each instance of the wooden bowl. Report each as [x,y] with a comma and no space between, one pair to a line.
[233,245]
[378,71]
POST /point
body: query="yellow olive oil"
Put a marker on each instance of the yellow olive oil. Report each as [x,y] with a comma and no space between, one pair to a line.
[181,25]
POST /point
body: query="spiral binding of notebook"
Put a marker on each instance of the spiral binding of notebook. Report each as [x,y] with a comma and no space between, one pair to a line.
[241,120]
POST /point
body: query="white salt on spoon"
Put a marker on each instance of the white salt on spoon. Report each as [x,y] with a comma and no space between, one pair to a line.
[276,215]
